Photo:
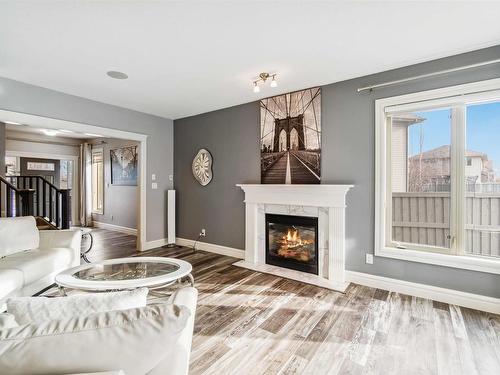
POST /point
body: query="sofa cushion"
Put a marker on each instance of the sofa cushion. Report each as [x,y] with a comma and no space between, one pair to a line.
[38,309]
[18,234]
[35,264]
[132,340]
[10,281]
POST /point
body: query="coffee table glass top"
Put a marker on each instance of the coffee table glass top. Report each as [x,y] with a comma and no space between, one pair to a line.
[125,271]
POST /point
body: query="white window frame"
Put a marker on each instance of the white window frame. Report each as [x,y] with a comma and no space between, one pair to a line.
[98,150]
[456,98]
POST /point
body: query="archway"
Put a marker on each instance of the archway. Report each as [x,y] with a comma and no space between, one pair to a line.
[294,139]
[283,139]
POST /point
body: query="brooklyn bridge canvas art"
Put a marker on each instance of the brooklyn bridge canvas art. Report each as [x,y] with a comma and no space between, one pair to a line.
[290,138]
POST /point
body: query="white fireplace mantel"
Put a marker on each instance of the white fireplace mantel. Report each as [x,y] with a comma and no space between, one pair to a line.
[326,202]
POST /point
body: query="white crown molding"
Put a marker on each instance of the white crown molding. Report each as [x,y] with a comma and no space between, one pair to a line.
[212,248]
[454,297]
[117,228]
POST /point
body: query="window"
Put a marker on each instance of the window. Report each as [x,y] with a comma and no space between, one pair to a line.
[438,177]
[66,174]
[97,181]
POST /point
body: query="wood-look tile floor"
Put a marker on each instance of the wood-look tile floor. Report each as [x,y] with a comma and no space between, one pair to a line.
[109,244]
[253,323]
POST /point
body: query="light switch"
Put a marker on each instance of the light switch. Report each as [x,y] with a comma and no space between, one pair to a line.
[153,177]
[170,177]
[154,186]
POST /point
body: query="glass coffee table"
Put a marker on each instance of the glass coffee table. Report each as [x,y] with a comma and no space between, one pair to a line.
[125,273]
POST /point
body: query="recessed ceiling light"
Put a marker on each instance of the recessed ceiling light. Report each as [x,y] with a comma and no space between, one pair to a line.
[66,131]
[50,132]
[116,74]
[93,135]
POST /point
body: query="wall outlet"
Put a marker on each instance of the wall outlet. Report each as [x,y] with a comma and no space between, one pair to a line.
[154,186]
[170,177]
[153,177]
[203,233]
[369,258]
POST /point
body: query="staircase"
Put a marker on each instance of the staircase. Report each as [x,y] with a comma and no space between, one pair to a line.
[35,196]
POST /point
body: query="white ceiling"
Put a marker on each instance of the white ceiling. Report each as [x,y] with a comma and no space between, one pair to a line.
[189,57]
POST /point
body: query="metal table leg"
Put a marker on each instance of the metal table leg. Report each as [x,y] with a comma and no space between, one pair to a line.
[61,290]
[191,279]
[83,254]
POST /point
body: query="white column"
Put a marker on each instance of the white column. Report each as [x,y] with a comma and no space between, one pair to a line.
[336,245]
[251,240]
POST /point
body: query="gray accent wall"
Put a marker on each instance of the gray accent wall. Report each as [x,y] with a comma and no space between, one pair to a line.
[21,97]
[232,136]
[348,148]
[120,202]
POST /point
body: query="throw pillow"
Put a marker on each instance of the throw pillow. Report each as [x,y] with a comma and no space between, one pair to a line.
[38,309]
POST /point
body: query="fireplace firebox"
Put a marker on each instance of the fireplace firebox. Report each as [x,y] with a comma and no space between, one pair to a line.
[292,242]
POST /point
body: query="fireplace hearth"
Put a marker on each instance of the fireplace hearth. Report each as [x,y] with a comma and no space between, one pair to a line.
[292,242]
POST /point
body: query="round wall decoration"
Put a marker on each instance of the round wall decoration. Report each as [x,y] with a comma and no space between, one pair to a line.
[202,167]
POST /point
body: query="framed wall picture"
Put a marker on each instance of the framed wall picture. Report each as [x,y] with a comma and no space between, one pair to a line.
[124,166]
[290,138]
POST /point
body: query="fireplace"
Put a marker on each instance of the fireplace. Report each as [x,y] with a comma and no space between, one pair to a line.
[292,242]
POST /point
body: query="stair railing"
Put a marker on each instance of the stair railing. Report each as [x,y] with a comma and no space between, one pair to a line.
[15,201]
[46,200]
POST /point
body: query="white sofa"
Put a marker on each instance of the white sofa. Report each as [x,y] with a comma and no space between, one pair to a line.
[30,259]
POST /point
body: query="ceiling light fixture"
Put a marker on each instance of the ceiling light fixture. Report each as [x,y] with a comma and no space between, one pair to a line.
[49,132]
[263,77]
[116,74]
[93,135]
[66,131]
[11,123]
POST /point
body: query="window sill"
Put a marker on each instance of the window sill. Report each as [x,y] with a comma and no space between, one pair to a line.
[473,263]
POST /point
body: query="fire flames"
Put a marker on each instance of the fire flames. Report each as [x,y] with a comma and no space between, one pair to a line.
[293,246]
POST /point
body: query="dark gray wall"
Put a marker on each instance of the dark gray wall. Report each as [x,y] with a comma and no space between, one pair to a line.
[120,202]
[2,149]
[21,97]
[348,146]
[232,136]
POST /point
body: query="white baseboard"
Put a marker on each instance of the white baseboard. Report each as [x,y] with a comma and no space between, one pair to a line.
[454,297]
[212,248]
[117,228]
